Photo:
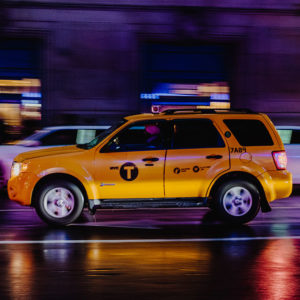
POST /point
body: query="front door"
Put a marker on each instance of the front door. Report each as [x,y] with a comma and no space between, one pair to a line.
[197,154]
[131,165]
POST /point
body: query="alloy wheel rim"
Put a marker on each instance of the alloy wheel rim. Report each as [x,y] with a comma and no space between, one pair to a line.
[59,202]
[237,201]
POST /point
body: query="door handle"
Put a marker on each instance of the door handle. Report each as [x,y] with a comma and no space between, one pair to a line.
[150,159]
[214,156]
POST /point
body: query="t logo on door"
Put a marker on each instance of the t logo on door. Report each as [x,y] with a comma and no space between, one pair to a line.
[129,171]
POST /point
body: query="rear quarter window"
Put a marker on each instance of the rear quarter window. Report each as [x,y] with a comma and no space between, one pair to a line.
[249,132]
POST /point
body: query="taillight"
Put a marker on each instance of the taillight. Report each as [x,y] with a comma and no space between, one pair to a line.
[280,159]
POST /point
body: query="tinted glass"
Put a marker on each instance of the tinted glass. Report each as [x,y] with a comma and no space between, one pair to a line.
[196,133]
[138,137]
[87,135]
[249,132]
[60,137]
[289,136]
[102,135]
[295,137]
[285,135]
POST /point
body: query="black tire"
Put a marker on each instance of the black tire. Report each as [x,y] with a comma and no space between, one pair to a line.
[59,203]
[237,201]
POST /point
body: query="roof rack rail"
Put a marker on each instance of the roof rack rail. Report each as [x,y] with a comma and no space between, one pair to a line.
[208,110]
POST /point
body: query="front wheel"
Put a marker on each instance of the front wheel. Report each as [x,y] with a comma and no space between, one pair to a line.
[237,201]
[59,202]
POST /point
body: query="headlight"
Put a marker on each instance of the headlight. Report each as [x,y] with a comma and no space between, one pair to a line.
[17,168]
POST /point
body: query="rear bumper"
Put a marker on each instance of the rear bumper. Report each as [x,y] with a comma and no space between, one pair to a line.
[276,184]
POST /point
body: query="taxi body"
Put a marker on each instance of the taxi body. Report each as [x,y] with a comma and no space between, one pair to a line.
[232,161]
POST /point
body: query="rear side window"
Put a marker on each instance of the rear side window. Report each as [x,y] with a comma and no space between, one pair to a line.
[289,136]
[249,132]
[196,133]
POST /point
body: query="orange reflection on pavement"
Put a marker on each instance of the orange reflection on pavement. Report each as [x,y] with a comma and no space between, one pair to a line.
[142,259]
[20,274]
[274,270]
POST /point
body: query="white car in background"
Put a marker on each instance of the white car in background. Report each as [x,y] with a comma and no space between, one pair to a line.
[45,138]
[290,136]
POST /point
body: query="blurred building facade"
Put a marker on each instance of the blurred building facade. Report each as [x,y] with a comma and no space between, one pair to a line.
[93,65]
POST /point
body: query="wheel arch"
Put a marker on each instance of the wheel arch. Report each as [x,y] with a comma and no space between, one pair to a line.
[265,207]
[55,177]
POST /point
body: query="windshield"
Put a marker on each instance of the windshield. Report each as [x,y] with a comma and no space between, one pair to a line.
[101,136]
[34,137]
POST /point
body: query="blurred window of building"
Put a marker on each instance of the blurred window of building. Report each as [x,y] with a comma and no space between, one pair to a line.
[20,81]
[186,75]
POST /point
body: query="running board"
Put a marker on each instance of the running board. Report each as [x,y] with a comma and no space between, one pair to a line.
[146,203]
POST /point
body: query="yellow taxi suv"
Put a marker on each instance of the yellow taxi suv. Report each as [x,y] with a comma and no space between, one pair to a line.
[232,161]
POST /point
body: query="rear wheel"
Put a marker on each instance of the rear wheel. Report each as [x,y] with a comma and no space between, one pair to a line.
[59,202]
[237,201]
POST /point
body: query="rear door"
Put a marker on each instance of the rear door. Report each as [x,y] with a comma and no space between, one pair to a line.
[197,154]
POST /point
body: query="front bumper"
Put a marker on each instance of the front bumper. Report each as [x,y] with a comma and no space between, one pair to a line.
[20,188]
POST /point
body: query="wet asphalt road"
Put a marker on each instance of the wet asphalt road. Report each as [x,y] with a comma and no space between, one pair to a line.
[151,254]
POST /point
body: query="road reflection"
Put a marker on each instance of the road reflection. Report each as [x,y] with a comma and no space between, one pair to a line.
[184,257]
[21,271]
[276,270]
[244,269]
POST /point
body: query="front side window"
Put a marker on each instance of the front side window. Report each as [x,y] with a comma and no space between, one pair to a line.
[196,133]
[140,136]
